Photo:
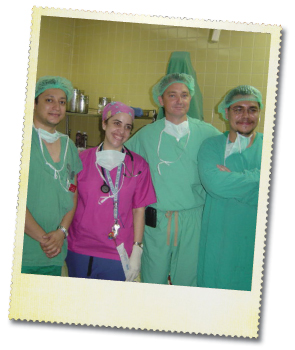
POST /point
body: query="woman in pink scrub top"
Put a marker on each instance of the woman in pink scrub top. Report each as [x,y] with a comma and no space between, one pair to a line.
[114,187]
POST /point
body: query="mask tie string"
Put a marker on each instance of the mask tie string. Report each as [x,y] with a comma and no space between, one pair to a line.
[167,162]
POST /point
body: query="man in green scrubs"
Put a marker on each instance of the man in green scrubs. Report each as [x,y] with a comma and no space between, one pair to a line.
[51,199]
[170,146]
[229,167]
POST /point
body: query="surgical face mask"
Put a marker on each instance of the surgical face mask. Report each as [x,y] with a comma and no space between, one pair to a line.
[109,159]
[240,144]
[47,136]
[178,131]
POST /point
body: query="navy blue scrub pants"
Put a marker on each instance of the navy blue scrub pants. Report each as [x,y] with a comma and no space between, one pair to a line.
[84,266]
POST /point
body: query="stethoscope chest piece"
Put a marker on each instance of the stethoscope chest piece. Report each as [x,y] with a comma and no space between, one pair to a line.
[105,188]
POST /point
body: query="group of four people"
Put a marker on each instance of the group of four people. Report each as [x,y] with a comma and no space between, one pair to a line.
[176,202]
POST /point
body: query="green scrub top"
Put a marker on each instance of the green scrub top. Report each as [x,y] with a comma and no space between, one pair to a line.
[180,62]
[47,201]
[179,186]
[229,220]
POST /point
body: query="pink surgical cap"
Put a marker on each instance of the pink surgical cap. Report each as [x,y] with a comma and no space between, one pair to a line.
[115,108]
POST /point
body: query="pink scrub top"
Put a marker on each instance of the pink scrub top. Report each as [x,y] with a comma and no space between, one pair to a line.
[92,222]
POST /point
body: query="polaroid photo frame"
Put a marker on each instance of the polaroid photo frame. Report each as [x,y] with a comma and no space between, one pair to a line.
[116,304]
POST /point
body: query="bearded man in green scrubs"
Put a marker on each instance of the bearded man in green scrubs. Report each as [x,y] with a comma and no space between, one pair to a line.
[170,146]
[51,199]
[229,167]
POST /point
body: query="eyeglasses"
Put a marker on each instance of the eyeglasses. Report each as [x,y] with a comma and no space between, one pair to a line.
[239,110]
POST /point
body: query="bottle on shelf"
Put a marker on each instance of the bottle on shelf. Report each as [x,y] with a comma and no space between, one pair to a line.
[78,139]
[85,139]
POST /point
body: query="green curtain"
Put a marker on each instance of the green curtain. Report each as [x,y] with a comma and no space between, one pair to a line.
[180,62]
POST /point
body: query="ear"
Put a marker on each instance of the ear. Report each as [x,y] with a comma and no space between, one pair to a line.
[161,100]
[104,125]
[226,113]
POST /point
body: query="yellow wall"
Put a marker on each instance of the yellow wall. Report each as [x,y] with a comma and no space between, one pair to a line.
[56,47]
[124,60]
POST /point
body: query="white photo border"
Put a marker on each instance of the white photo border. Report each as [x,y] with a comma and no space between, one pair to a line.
[138,305]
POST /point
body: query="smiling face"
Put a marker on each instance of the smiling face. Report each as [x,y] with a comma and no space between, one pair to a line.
[176,101]
[117,131]
[50,109]
[243,117]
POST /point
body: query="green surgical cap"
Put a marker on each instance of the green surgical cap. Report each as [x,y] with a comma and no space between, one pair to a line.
[240,93]
[50,82]
[170,79]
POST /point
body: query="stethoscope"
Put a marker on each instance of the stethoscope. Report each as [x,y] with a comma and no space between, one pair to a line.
[105,188]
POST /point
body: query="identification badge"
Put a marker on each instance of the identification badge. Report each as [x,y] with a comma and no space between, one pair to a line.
[115,232]
[72,188]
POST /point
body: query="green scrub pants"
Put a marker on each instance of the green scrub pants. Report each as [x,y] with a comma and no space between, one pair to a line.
[172,248]
[42,270]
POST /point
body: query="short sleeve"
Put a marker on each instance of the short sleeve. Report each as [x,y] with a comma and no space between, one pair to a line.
[145,193]
[76,161]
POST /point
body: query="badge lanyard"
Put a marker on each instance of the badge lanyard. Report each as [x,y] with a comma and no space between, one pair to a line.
[114,189]
[115,229]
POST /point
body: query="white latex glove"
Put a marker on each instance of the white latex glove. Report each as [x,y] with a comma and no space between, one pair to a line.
[134,263]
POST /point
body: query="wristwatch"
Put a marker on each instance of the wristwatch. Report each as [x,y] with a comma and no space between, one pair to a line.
[139,244]
[64,230]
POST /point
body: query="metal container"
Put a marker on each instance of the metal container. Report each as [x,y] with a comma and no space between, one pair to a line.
[83,104]
[102,102]
[73,104]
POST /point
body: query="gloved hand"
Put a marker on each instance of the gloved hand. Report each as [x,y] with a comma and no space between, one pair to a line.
[134,263]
